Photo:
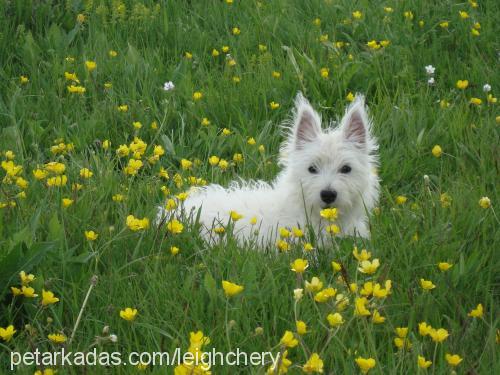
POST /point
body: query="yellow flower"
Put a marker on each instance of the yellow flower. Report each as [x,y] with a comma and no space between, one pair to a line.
[401,332]
[408,15]
[474,32]
[365,364]
[26,278]
[197,95]
[453,359]
[367,289]
[108,85]
[289,340]
[377,318]
[313,364]
[236,31]
[205,121]
[463,14]
[136,224]
[437,151]
[76,89]
[314,285]
[57,338]
[388,10]
[276,74]
[444,24]
[477,312]
[274,105]
[423,363]
[215,53]
[24,80]
[226,131]
[373,44]
[261,149]
[336,266]
[128,314]
[85,173]
[225,49]
[186,164]
[333,229]
[174,250]
[223,164]
[7,333]
[357,14]
[485,202]
[445,200]
[325,294]
[329,214]
[299,265]
[444,266]
[301,327]
[335,319]
[90,235]
[364,255]
[368,267]
[360,307]
[297,232]
[231,289]
[112,53]
[282,245]
[379,292]
[175,227]
[401,343]
[427,284]
[491,99]
[438,335]
[16,291]
[424,329]
[476,101]
[188,55]
[48,298]
[71,77]
[122,108]
[137,125]
[350,97]
[253,220]
[235,216]
[284,233]
[324,72]
[220,230]
[401,199]
[462,84]
[117,198]
[57,181]
[80,18]
[213,160]
[90,65]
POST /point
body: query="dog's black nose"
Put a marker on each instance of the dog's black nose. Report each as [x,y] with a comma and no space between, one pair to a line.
[328,196]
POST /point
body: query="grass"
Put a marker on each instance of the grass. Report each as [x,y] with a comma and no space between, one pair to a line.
[176,295]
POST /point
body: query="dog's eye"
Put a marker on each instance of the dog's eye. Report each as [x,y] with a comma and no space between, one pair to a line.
[312,169]
[345,169]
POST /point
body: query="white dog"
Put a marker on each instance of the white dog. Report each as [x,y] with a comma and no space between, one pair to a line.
[335,167]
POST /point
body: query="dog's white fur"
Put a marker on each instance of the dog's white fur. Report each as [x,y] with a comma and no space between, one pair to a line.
[293,199]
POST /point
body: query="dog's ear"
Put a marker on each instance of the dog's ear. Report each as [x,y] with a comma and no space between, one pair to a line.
[355,123]
[307,122]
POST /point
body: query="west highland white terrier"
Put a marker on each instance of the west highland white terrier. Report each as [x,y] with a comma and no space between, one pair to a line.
[331,168]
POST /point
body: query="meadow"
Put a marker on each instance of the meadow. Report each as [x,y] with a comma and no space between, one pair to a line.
[109,108]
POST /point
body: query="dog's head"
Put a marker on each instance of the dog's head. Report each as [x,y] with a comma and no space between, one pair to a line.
[334,167]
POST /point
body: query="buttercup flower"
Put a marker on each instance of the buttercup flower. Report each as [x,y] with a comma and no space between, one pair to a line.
[423,363]
[301,327]
[369,267]
[477,312]
[427,284]
[128,314]
[90,235]
[485,202]
[365,364]
[299,265]
[313,364]
[231,289]
[7,333]
[335,319]
[462,84]
[444,266]
[57,338]
[453,359]
[174,226]
[289,340]
[48,298]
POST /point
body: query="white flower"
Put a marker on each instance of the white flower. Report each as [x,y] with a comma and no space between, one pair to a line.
[486,88]
[429,69]
[167,86]
[113,338]
[431,81]
[298,293]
